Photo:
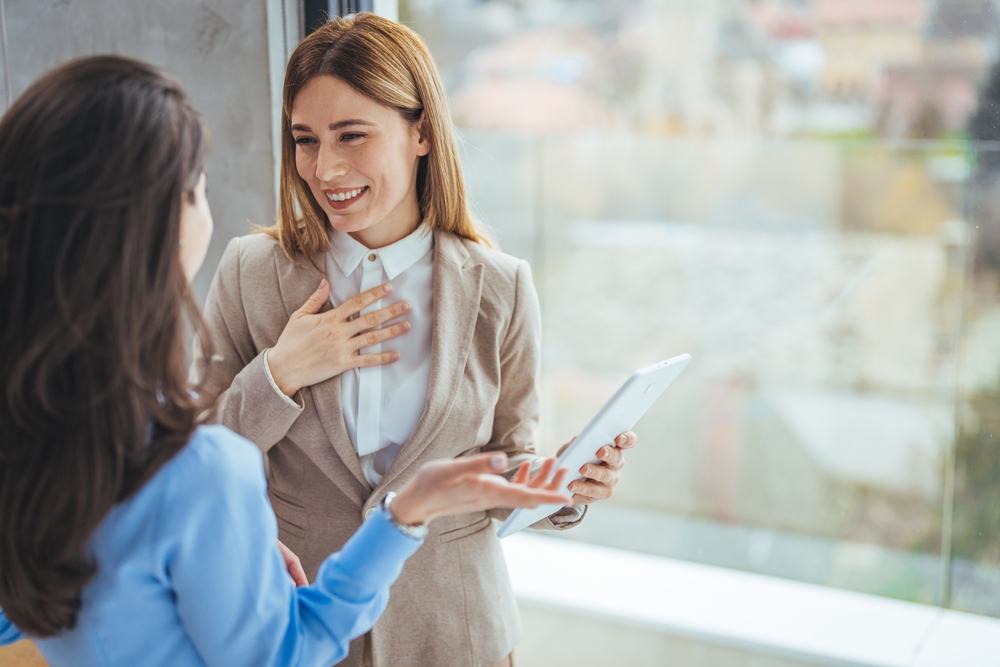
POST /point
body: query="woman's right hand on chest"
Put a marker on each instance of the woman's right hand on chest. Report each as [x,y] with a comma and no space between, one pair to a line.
[318,346]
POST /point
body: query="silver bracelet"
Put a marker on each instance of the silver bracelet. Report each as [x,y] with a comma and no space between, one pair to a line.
[416,532]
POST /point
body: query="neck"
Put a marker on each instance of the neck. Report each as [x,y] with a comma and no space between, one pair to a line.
[400,223]
[383,234]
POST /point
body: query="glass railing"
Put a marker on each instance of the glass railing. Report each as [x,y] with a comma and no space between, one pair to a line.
[840,422]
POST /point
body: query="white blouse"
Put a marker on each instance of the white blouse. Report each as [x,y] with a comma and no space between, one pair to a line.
[382,404]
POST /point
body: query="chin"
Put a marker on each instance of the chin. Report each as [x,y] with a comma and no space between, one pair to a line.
[348,223]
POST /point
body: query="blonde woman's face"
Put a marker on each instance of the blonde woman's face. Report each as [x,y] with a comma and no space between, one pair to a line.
[360,160]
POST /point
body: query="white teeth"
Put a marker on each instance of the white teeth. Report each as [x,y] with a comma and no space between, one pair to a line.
[344,196]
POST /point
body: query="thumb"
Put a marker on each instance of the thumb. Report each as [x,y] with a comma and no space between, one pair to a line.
[563,448]
[315,300]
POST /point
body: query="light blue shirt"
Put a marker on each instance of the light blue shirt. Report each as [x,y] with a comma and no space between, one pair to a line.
[189,574]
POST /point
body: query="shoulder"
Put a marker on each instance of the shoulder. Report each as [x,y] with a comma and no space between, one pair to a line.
[503,273]
[506,279]
[215,458]
[508,291]
[255,274]
[212,487]
[250,251]
[494,260]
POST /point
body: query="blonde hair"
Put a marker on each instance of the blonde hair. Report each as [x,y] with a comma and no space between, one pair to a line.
[390,64]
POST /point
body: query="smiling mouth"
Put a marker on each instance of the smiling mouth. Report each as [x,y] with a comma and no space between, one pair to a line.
[344,196]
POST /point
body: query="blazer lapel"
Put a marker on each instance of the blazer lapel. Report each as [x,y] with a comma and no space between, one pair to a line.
[457,289]
[296,284]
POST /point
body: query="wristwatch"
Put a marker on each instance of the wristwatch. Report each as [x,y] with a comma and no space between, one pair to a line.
[416,532]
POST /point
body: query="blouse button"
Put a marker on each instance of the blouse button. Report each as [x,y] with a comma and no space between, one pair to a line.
[370,510]
[371,257]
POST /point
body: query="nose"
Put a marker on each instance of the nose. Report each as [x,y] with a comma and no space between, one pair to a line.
[329,164]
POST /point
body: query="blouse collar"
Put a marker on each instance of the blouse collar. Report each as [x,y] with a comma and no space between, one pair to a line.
[396,257]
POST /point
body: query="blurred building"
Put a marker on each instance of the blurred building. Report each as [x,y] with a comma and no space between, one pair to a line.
[862,37]
[937,94]
[895,68]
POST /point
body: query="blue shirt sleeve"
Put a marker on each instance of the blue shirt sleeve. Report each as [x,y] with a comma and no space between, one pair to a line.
[8,633]
[234,596]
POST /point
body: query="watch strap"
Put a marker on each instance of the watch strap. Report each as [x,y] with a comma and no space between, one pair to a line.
[416,532]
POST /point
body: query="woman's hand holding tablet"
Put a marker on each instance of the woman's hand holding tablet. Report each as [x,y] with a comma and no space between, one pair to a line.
[610,425]
[599,479]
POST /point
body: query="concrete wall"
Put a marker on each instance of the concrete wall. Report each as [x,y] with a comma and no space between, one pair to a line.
[220,51]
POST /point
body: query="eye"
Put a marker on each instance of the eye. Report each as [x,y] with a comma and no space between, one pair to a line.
[350,136]
[304,141]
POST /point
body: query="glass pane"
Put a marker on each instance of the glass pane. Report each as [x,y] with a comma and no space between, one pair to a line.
[785,190]
[819,289]
[975,568]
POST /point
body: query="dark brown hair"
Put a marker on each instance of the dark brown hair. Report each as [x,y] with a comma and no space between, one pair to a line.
[95,158]
[388,63]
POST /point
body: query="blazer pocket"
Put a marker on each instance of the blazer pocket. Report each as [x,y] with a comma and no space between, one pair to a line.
[291,517]
[476,526]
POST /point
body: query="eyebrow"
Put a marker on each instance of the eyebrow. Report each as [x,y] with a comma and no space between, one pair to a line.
[335,126]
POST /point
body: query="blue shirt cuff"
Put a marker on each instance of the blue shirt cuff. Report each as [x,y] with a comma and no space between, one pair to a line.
[8,633]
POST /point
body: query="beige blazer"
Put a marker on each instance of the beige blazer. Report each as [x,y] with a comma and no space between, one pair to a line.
[453,604]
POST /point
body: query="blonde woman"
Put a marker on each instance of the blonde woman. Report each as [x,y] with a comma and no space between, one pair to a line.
[372,198]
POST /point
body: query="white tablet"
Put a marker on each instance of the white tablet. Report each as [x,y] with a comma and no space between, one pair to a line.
[619,414]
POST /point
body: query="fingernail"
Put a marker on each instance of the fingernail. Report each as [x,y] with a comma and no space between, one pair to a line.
[387,288]
[621,440]
[404,306]
[322,284]
[604,453]
[574,486]
[394,356]
[496,462]
[405,326]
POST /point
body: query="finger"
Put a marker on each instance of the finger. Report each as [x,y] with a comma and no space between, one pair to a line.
[591,490]
[523,473]
[359,302]
[557,479]
[627,440]
[368,360]
[600,474]
[613,457]
[377,317]
[378,336]
[315,300]
[541,478]
[512,497]
[480,464]
[297,573]
[293,565]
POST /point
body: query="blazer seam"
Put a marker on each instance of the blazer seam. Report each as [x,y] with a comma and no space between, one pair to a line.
[510,322]
[239,260]
[239,286]
[277,279]
[225,318]
[465,603]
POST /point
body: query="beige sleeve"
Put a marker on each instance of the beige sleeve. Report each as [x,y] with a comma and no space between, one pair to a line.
[236,378]
[516,417]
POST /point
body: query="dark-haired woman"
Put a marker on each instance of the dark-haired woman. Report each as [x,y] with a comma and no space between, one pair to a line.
[129,534]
